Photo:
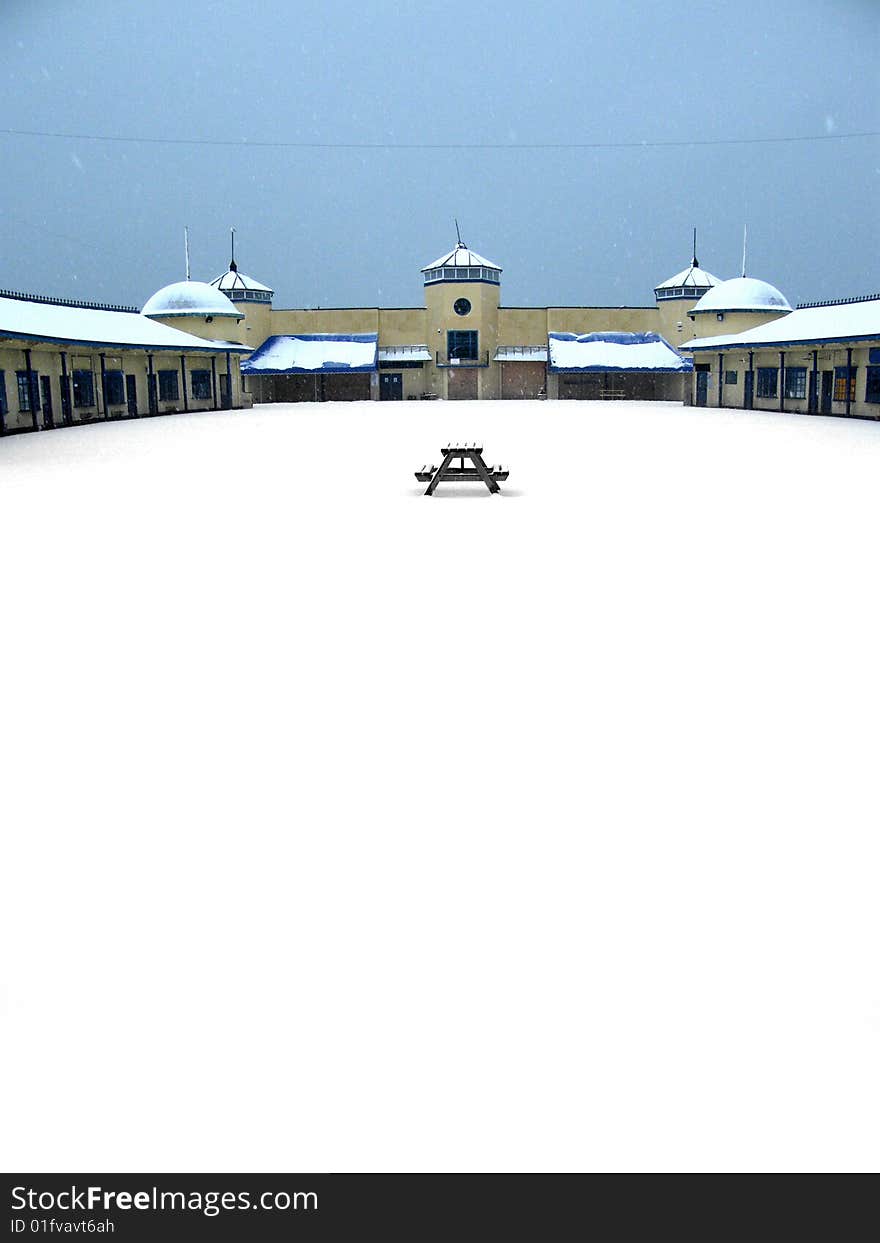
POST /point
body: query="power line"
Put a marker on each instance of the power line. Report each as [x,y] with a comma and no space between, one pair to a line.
[245,143]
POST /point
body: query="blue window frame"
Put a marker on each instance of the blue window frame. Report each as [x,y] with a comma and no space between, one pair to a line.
[114,382]
[28,400]
[83,389]
[768,378]
[462,345]
[795,382]
[872,384]
[201,384]
[169,388]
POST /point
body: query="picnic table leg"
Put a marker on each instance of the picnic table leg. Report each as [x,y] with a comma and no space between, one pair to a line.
[483,471]
[438,474]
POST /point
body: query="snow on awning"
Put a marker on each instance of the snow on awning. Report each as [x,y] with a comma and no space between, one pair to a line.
[404,354]
[311,353]
[520,354]
[614,351]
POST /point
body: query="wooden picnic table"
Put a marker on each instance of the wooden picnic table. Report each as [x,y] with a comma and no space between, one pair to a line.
[477,472]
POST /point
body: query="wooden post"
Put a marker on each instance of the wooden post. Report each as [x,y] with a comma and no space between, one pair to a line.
[214,379]
[782,382]
[720,379]
[848,380]
[183,378]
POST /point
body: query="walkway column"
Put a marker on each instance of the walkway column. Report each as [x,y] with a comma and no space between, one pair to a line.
[848,380]
[813,403]
[183,378]
[152,396]
[720,379]
[782,382]
[104,384]
[214,379]
[66,407]
[33,396]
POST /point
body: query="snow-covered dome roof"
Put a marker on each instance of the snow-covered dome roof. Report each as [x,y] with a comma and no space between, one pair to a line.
[236,285]
[743,293]
[690,283]
[461,257]
[189,298]
[462,263]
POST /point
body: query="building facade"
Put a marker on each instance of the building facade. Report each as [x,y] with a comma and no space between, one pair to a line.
[462,344]
[65,362]
[821,358]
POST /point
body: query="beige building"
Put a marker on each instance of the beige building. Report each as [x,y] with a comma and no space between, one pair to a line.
[67,362]
[463,343]
[822,358]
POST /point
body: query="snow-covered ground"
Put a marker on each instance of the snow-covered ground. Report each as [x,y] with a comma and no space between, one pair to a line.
[350,829]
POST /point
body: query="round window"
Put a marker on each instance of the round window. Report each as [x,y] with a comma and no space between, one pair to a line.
[461,306]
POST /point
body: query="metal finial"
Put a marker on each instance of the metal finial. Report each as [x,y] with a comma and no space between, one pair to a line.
[745,233]
[458,232]
[696,262]
[186,249]
[232,267]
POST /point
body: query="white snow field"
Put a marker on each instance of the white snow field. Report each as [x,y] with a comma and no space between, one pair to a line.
[350,829]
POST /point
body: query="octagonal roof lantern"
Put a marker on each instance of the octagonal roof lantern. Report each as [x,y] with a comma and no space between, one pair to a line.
[461,264]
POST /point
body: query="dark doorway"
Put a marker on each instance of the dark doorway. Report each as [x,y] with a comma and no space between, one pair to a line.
[46,401]
[391,386]
[225,399]
[131,395]
[749,390]
[702,374]
[827,390]
[812,395]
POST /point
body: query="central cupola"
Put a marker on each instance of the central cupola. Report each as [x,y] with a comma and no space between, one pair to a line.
[462,264]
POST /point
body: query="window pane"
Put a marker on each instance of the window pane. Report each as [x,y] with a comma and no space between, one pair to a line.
[201,384]
[83,389]
[872,385]
[168,386]
[115,388]
[767,379]
[795,382]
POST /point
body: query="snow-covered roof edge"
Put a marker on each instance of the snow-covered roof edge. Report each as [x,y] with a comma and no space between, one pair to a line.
[64,325]
[853,321]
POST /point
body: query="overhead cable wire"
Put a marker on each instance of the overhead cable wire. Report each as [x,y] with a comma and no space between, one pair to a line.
[244,143]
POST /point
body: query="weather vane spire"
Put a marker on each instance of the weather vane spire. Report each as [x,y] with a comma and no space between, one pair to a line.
[232,267]
[186,248]
[458,232]
[695,261]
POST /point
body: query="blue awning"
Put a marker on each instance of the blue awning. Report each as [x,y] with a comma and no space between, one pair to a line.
[314,354]
[614,351]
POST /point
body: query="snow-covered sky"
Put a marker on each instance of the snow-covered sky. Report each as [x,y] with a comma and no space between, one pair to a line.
[337,225]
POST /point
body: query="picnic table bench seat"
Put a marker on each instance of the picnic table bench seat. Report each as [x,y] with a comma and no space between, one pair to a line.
[426,474]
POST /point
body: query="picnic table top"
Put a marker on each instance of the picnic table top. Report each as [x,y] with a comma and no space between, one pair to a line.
[473,447]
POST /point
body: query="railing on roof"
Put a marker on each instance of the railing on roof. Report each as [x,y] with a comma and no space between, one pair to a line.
[868,297]
[74,302]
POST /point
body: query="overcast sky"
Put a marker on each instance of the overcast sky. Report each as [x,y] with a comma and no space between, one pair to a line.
[336,226]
